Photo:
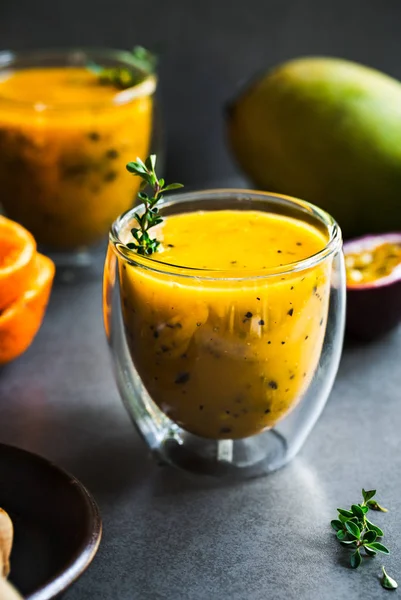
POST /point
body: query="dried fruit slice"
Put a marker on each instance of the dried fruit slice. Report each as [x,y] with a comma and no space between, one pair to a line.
[17,256]
[373,265]
[20,321]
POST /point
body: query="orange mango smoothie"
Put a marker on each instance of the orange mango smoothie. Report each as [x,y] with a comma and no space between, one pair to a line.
[227,351]
[64,142]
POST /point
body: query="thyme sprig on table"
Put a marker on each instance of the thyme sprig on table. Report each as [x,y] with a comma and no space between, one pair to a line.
[355,531]
[150,217]
[143,62]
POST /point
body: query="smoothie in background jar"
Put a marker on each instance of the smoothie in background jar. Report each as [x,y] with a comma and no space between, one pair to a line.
[65,138]
[227,351]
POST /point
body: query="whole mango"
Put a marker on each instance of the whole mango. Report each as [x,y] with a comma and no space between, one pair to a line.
[328,131]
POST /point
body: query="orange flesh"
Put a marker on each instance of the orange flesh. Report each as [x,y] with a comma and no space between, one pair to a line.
[17,256]
[20,321]
[226,358]
[62,172]
[374,264]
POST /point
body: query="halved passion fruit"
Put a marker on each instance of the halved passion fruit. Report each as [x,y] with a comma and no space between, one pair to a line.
[373,266]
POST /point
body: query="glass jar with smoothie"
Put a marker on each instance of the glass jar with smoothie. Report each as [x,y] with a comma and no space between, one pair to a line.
[67,129]
[227,340]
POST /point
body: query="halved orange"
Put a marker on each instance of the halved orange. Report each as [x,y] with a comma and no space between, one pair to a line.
[20,321]
[17,257]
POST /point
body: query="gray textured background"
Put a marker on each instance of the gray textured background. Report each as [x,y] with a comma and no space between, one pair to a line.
[166,538]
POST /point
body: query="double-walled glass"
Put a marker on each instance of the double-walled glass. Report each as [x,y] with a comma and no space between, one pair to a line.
[208,387]
[62,164]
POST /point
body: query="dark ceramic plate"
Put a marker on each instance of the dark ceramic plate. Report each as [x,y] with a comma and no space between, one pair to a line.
[56,521]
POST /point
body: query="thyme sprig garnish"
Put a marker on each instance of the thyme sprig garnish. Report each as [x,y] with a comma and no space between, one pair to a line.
[355,531]
[143,62]
[150,217]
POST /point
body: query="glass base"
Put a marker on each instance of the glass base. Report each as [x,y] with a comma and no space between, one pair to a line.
[243,458]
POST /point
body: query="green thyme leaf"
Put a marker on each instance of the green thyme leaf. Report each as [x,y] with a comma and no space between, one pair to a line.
[356,559]
[172,186]
[369,537]
[367,495]
[336,525]
[373,505]
[378,547]
[388,582]
[353,529]
[374,527]
[345,513]
[357,511]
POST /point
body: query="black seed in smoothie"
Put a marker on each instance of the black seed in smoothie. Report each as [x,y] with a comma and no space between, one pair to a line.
[279,251]
[110,176]
[225,429]
[303,279]
[124,267]
[290,312]
[273,385]
[292,287]
[292,376]
[112,153]
[248,315]
[287,390]
[321,322]
[200,406]
[182,377]
[314,289]
[261,322]
[283,343]
[165,348]
[94,136]
[156,334]
[267,410]
[269,342]
[306,337]
[299,243]
[304,375]
[233,262]
[198,324]
[74,170]
[184,355]
[170,245]
[227,412]
[258,299]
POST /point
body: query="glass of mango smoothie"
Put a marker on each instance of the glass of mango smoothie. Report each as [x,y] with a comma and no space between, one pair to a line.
[226,342]
[67,129]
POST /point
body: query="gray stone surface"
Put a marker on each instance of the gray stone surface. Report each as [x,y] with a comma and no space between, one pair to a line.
[168,537]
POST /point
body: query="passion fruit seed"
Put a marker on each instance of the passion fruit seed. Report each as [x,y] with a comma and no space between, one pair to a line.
[379,262]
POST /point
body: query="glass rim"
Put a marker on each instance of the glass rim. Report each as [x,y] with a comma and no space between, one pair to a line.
[334,242]
[9,59]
